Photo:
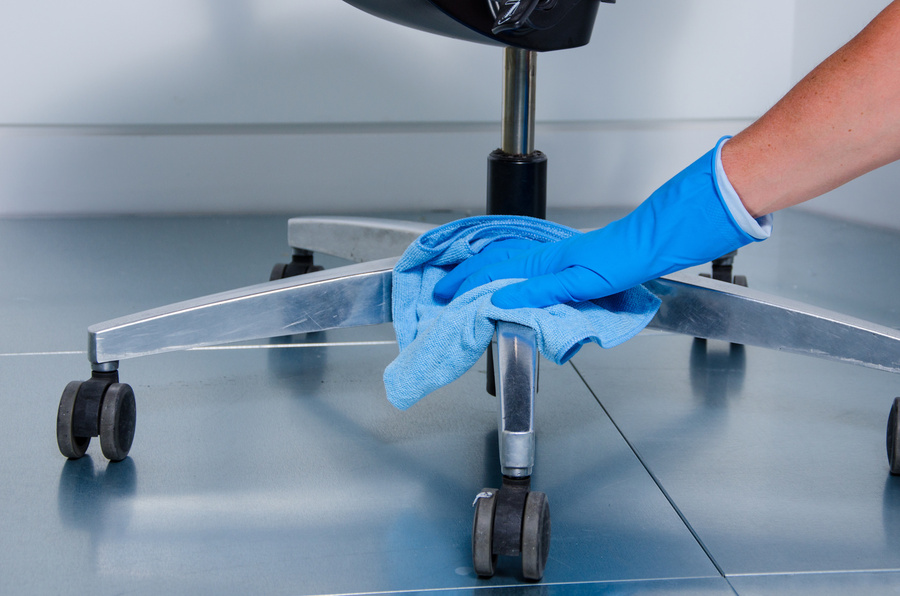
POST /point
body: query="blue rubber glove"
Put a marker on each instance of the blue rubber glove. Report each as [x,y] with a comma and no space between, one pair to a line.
[690,220]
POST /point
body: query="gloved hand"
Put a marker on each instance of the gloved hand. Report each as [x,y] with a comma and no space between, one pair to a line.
[685,222]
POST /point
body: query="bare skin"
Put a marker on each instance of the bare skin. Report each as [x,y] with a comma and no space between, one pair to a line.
[841,121]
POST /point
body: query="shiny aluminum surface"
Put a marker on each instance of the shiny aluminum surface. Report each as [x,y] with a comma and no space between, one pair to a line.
[517,370]
[356,239]
[710,309]
[350,296]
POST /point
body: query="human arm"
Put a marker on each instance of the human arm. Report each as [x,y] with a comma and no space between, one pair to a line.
[839,122]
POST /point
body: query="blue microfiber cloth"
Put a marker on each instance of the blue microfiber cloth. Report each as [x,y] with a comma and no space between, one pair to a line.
[440,341]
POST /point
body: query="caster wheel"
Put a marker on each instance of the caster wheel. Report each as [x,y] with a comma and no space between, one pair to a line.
[278,271]
[512,521]
[100,406]
[71,446]
[893,438]
[301,263]
[738,280]
[483,558]
[117,421]
[535,536]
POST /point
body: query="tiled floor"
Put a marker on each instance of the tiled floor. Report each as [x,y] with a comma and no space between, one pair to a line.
[672,466]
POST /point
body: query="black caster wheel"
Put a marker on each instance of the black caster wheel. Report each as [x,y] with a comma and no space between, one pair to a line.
[722,270]
[893,438]
[483,558]
[723,267]
[535,536]
[99,407]
[117,421]
[70,445]
[301,264]
[738,280]
[513,522]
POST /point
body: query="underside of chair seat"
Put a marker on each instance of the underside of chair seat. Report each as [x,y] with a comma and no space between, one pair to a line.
[554,25]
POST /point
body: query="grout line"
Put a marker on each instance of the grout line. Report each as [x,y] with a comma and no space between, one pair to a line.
[538,586]
[324,344]
[657,481]
[823,572]
[58,353]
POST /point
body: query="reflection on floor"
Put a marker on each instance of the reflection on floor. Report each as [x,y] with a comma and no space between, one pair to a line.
[672,465]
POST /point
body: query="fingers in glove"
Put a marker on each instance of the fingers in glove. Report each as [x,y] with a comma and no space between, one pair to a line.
[575,284]
[495,252]
[508,269]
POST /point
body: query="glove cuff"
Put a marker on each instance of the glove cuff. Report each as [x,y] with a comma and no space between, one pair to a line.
[757,228]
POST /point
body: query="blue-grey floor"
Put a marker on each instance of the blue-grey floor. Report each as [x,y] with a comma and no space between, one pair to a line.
[671,466]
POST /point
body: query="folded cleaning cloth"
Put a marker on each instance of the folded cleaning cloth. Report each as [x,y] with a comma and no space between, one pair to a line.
[440,341]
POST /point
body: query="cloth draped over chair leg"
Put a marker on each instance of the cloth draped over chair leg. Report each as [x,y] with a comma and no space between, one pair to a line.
[440,341]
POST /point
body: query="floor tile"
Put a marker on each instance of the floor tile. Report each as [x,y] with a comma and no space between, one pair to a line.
[279,466]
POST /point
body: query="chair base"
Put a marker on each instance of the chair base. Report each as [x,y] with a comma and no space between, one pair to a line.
[360,294]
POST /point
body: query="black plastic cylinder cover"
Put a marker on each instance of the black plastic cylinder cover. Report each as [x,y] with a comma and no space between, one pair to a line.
[517,184]
[86,414]
[509,514]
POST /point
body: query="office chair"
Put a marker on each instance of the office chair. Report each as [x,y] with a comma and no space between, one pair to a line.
[301,297]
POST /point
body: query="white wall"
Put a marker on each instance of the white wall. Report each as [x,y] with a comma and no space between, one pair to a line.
[310,106]
[821,28]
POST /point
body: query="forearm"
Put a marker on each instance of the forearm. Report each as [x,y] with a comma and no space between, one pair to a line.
[841,121]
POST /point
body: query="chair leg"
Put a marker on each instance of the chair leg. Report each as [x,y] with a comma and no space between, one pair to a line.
[514,520]
[356,239]
[701,307]
[344,297]
[350,296]
[517,360]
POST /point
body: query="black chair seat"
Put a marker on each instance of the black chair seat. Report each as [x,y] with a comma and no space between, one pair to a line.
[554,24]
